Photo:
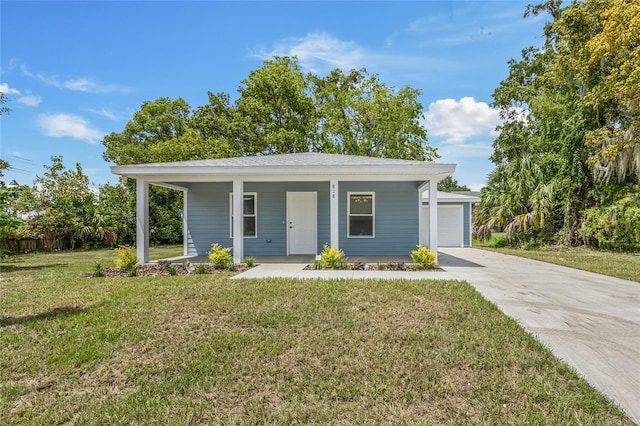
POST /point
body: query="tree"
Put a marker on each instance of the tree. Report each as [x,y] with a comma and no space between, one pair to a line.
[281,114]
[449,184]
[4,100]
[360,115]
[64,203]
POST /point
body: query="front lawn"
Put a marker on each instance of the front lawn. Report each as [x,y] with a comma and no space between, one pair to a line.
[205,349]
[623,265]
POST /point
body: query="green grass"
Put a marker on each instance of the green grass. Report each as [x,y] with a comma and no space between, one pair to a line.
[615,264]
[205,349]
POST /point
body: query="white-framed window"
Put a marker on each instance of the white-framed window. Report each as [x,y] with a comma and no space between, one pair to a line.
[361,211]
[249,214]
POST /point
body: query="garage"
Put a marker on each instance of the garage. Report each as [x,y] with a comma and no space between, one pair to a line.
[454,218]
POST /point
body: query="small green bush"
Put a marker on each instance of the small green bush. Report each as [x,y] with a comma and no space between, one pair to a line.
[317,265]
[126,258]
[250,261]
[201,268]
[332,258]
[381,266]
[423,257]
[98,270]
[220,256]
[172,270]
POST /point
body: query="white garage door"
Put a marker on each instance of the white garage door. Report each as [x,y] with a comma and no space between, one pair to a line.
[450,225]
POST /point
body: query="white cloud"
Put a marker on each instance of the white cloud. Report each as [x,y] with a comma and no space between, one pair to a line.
[67,125]
[104,113]
[459,121]
[86,85]
[318,51]
[4,88]
[30,100]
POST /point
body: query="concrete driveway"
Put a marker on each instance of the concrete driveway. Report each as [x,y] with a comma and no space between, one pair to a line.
[590,321]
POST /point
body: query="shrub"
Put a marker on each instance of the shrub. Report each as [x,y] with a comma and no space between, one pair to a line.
[381,266]
[201,268]
[250,261]
[98,270]
[220,256]
[317,264]
[172,270]
[332,258]
[126,258]
[423,257]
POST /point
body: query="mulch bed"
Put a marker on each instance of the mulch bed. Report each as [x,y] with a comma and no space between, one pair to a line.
[153,269]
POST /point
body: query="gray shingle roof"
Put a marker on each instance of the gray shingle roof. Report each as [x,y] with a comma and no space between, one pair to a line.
[298,159]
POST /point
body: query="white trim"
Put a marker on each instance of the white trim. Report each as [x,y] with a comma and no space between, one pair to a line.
[238,223]
[142,220]
[433,216]
[421,221]
[255,214]
[334,213]
[185,223]
[372,215]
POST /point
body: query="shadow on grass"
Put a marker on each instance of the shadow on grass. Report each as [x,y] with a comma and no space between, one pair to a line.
[64,311]
[17,268]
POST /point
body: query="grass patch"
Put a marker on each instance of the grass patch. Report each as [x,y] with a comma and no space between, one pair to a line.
[206,349]
[614,264]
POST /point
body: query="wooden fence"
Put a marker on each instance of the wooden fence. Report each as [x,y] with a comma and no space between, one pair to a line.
[29,245]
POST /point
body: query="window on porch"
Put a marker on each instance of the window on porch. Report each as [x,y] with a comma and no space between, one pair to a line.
[249,214]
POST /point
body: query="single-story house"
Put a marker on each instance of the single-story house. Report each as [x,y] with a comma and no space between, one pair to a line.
[455,211]
[296,203]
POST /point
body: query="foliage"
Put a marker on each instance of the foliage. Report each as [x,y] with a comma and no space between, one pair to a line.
[3,109]
[98,270]
[201,268]
[570,111]
[279,110]
[126,258]
[332,258]
[449,184]
[616,226]
[220,256]
[423,257]
[250,261]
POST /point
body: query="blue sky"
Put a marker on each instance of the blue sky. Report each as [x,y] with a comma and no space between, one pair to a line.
[75,71]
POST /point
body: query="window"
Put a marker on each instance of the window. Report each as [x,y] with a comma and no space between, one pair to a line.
[361,215]
[249,214]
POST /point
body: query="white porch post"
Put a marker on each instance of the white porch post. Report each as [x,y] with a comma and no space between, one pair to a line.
[433,215]
[238,228]
[185,223]
[142,220]
[334,214]
[422,235]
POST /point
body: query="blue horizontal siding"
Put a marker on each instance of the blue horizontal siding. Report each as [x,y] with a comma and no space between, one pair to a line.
[396,219]
[209,222]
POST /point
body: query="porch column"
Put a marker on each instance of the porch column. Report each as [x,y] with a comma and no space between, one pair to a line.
[334,214]
[433,215]
[142,220]
[422,226]
[238,228]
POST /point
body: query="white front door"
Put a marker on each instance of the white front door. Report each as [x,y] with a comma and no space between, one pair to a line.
[302,223]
